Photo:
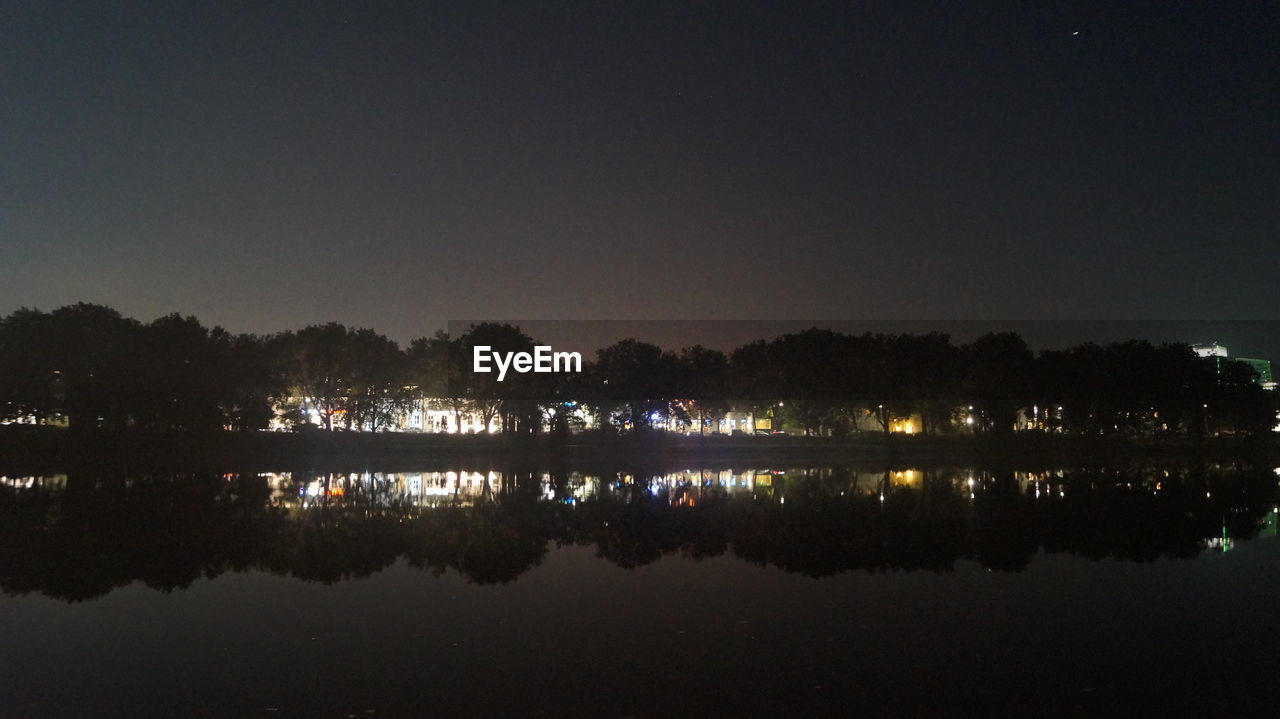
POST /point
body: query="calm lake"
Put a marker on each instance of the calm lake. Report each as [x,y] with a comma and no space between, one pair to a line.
[606,592]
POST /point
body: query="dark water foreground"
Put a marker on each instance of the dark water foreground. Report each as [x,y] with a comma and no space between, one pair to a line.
[1130,587]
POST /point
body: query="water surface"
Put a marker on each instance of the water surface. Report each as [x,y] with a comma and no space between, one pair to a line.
[719,590]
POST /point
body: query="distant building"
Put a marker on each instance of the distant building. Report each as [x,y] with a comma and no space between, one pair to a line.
[1261,366]
[1210,350]
[1270,523]
[1220,353]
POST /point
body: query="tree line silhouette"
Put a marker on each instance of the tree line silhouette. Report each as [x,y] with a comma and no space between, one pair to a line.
[103,531]
[90,367]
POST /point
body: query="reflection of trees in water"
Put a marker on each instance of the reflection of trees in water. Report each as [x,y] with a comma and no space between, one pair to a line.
[103,532]
[100,532]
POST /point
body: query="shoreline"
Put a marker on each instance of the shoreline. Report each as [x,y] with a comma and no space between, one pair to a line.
[24,448]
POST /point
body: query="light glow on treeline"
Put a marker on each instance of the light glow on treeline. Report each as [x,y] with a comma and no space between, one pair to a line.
[88,366]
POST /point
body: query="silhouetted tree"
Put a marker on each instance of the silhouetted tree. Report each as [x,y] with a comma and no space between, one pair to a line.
[998,375]
[634,379]
[702,377]
[355,375]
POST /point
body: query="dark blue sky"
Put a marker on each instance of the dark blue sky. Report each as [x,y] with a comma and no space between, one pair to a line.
[395,165]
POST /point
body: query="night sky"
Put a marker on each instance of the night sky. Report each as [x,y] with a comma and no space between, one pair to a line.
[396,165]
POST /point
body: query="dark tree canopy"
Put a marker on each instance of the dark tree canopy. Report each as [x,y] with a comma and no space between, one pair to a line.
[90,367]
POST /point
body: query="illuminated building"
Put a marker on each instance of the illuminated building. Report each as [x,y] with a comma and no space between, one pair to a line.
[903,425]
[1212,349]
[1220,353]
[1262,367]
